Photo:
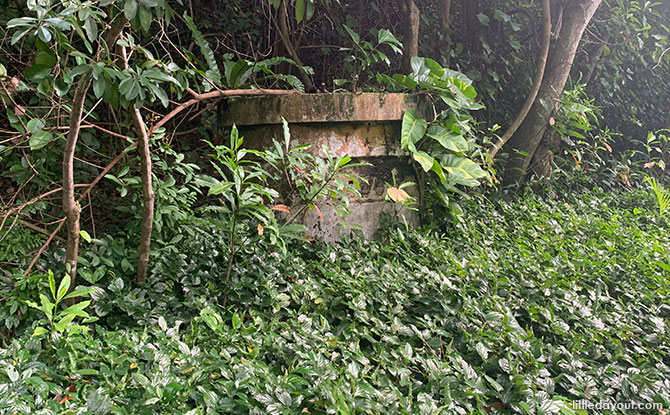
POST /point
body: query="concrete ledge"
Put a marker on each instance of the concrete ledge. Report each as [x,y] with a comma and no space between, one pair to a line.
[318,108]
[364,126]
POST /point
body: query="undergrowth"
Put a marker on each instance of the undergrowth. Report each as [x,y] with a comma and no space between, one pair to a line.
[524,306]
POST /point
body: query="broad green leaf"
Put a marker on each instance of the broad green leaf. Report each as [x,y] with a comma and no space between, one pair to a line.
[309,9]
[483,19]
[85,235]
[39,331]
[158,75]
[61,87]
[47,59]
[80,292]
[145,18]
[236,321]
[385,36]
[220,188]
[61,325]
[35,125]
[425,160]
[463,170]
[40,139]
[46,306]
[12,373]
[413,130]
[125,85]
[299,10]
[151,401]
[77,309]
[58,23]
[37,72]
[63,287]
[52,284]
[130,9]
[20,34]
[44,34]
[437,168]
[161,95]
[420,70]
[435,68]
[91,28]
[99,86]
[448,139]
[21,21]
[354,36]
[342,161]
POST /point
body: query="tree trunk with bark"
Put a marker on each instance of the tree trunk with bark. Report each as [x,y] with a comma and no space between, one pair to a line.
[285,34]
[537,82]
[148,197]
[70,205]
[523,145]
[411,34]
[471,25]
[444,41]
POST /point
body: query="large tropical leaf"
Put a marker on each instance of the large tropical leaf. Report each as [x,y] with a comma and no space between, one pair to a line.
[463,170]
[413,130]
[448,139]
[425,160]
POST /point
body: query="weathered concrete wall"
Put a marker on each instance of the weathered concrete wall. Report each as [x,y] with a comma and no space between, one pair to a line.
[315,108]
[364,126]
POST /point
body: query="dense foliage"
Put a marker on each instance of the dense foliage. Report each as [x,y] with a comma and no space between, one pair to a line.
[538,303]
[153,263]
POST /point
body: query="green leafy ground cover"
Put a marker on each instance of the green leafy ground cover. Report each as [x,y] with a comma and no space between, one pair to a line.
[523,307]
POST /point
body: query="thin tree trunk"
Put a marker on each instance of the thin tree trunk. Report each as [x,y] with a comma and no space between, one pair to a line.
[411,35]
[524,143]
[285,35]
[445,19]
[539,74]
[148,197]
[471,25]
[71,207]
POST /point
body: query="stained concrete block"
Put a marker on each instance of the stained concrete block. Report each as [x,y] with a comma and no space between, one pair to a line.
[364,215]
[317,108]
[365,127]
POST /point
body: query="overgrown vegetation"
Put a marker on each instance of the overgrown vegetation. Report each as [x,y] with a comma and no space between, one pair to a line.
[524,307]
[151,262]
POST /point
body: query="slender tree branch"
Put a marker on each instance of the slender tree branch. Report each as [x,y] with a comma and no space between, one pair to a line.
[148,197]
[660,59]
[44,246]
[411,35]
[36,199]
[106,131]
[214,95]
[445,19]
[537,82]
[285,37]
[38,229]
[70,206]
[81,197]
